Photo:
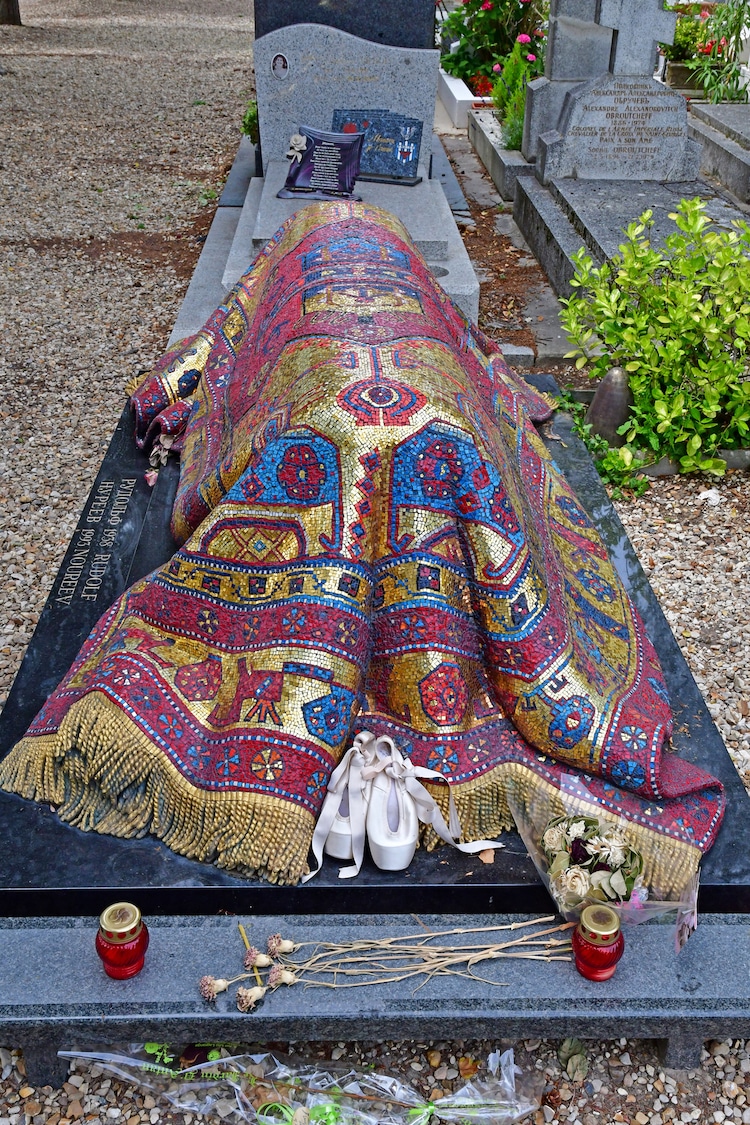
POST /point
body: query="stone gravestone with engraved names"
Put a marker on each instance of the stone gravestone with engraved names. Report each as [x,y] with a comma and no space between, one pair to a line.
[306,72]
[621,124]
[314,72]
[578,49]
[598,129]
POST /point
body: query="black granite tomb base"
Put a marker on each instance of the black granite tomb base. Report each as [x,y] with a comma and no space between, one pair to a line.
[52,869]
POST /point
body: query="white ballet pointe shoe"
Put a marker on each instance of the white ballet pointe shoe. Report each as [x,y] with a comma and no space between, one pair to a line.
[377,791]
[351,813]
[392,822]
[340,840]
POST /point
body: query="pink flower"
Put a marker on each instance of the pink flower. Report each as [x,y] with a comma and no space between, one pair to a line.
[523,38]
[531,58]
[487,6]
[705,14]
[497,68]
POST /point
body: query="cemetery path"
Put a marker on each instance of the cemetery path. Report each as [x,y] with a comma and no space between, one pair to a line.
[119,121]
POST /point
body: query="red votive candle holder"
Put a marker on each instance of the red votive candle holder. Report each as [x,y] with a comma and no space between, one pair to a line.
[598,943]
[122,940]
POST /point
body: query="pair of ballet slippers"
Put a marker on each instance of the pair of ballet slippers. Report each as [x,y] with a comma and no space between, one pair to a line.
[376,794]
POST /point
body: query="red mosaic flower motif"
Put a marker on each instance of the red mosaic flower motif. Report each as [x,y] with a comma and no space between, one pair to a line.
[444,694]
[439,469]
[301,473]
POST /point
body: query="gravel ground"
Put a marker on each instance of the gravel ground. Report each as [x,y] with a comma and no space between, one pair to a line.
[119,121]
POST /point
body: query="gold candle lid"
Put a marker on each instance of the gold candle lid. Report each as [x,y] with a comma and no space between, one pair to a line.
[120,922]
[600,924]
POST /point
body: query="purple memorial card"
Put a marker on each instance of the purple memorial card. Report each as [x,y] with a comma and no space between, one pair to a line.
[323,165]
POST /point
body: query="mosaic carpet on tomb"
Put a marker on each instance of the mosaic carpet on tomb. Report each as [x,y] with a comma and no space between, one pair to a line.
[374,537]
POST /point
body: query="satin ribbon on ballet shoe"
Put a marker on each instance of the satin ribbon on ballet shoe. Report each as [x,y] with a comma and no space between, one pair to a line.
[341,831]
[368,759]
[405,777]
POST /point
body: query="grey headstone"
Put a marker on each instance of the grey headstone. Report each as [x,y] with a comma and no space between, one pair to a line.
[394,23]
[304,72]
[620,128]
[578,49]
[640,25]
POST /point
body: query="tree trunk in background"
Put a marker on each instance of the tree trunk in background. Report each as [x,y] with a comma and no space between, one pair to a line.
[9,12]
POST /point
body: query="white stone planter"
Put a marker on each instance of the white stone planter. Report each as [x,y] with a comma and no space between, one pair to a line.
[458,99]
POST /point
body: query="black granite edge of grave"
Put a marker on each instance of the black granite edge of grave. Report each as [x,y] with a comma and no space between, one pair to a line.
[725,871]
[391,23]
[52,869]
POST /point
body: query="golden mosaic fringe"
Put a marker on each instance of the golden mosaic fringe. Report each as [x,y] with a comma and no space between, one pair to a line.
[104,775]
[485,810]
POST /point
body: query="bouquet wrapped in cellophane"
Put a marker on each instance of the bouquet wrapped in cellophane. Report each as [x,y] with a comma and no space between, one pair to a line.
[585,859]
[590,862]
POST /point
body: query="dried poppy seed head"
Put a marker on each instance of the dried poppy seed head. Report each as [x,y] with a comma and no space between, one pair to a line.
[255,959]
[280,975]
[247,998]
[210,986]
[277,944]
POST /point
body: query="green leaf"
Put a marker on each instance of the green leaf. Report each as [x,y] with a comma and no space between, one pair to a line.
[568,1049]
[577,1067]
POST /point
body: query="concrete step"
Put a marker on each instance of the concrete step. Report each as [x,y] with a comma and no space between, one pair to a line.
[722,157]
[679,1000]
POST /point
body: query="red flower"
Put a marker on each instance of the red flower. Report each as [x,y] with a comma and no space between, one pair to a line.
[480,86]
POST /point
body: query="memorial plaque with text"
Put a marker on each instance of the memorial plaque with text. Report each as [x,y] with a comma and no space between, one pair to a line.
[390,150]
[324,165]
[621,128]
[107,552]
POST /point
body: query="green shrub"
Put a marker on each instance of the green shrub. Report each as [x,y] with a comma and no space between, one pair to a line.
[515,110]
[717,65]
[513,74]
[525,61]
[689,32]
[678,320]
[484,31]
[249,124]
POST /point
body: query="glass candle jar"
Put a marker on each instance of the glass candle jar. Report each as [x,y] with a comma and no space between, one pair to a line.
[122,940]
[598,943]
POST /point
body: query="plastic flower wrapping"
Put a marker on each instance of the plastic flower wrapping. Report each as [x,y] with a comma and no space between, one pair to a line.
[222,1082]
[583,859]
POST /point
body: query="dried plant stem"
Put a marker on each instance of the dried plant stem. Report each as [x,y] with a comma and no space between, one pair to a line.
[245,939]
[426,934]
[396,959]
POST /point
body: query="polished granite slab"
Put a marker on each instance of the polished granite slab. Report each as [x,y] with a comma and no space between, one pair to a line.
[49,868]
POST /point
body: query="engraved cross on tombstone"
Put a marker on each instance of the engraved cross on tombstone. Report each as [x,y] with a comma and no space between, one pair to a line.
[639,25]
